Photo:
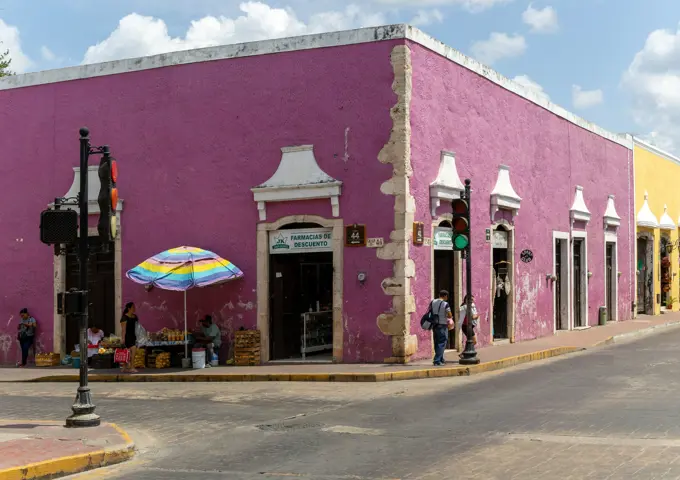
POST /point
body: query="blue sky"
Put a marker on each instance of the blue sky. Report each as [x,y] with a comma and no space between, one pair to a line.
[593,45]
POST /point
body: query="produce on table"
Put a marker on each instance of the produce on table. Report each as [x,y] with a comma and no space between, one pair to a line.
[169,335]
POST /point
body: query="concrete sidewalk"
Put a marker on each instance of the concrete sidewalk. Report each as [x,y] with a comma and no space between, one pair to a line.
[33,449]
[493,358]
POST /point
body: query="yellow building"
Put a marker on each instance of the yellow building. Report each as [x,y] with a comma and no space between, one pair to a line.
[657,207]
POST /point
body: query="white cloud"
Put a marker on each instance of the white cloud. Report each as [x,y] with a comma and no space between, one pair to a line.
[9,36]
[474,6]
[498,46]
[653,80]
[138,35]
[47,54]
[541,21]
[583,99]
[532,86]
[427,17]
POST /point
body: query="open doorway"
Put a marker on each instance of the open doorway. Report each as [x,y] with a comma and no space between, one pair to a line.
[580,287]
[645,275]
[666,270]
[446,271]
[611,281]
[301,293]
[101,284]
[502,283]
[561,284]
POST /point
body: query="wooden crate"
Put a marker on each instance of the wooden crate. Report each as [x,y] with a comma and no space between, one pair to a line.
[246,339]
[247,356]
[247,347]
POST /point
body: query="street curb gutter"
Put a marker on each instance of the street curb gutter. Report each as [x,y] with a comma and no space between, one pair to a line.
[638,333]
[61,467]
[412,374]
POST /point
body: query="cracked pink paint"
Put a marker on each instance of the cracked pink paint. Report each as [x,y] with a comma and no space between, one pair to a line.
[454,109]
[191,141]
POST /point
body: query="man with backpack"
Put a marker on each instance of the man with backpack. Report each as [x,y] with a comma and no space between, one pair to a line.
[442,317]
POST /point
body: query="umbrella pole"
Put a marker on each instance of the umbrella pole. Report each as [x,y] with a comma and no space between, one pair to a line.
[186,346]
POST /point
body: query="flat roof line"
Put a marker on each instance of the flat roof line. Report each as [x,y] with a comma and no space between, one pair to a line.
[305,42]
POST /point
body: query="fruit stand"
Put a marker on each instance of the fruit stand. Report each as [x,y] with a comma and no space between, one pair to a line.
[103,359]
[160,350]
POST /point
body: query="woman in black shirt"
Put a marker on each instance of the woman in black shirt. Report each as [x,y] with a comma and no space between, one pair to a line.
[128,324]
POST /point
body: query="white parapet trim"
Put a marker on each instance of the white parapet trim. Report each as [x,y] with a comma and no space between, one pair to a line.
[306,42]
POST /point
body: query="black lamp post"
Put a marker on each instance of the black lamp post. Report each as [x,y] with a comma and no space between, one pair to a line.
[83,407]
[469,355]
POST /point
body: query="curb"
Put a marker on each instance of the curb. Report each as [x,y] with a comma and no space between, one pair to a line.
[637,333]
[60,467]
[413,374]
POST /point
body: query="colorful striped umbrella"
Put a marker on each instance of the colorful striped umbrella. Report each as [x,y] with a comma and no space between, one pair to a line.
[183,268]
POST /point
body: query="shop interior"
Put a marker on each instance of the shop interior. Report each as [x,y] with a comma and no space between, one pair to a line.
[444,273]
[301,306]
[501,283]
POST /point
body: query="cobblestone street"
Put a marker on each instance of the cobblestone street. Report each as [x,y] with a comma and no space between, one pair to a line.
[605,414]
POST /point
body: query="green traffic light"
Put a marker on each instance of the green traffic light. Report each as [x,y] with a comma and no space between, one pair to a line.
[460,242]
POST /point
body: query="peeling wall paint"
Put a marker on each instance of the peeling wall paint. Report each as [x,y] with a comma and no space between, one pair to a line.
[457,110]
[191,140]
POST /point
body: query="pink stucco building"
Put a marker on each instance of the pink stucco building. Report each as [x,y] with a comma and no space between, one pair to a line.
[265,152]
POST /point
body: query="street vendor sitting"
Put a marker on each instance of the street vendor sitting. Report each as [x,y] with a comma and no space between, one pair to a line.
[208,336]
[94,337]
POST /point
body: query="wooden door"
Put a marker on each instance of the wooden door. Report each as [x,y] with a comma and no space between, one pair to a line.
[101,290]
[609,285]
[558,285]
[578,291]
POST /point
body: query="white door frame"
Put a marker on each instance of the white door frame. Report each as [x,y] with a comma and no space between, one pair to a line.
[609,237]
[456,296]
[566,295]
[263,229]
[584,278]
[510,228]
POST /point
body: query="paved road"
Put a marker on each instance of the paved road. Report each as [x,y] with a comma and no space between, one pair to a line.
[606,414]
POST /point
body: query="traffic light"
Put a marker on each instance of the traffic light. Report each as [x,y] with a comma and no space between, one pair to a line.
[107,198]
[461,224]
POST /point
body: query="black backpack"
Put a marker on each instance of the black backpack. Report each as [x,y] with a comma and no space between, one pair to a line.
[430,318]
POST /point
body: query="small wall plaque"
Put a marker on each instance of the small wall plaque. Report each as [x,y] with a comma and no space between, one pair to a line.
[526,256]
[418,233]
[355,235]
[427,241]
[375,242]
[488,235]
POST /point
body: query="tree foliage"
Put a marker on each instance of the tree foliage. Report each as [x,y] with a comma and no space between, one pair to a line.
[5,62]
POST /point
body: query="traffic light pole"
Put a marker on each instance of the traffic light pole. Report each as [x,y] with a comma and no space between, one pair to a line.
[469,355]
[83,407]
